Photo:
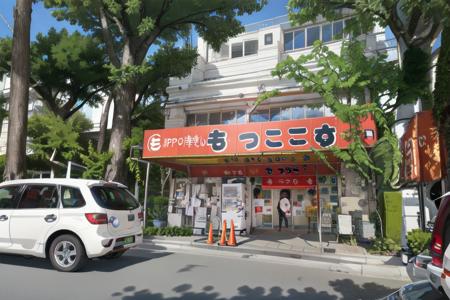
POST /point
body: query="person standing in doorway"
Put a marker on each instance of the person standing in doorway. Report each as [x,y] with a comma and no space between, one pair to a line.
[283,207]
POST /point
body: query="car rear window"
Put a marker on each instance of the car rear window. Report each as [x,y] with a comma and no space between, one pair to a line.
[114,198]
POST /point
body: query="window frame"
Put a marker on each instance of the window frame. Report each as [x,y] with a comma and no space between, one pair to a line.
[250,40]
[61,201]
[242,47]
[305,29]
[17,195]
[270,34]
[27,185]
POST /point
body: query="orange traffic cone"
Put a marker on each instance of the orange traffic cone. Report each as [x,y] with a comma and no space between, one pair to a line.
[232,240]
[223,238]
[210,235]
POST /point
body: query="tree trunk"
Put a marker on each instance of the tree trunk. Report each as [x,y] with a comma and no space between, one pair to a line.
[104,124]
[20,82]
[121,129]
[442,95]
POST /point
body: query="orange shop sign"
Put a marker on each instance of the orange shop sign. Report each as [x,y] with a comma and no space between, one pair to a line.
[422,152]
[251,138]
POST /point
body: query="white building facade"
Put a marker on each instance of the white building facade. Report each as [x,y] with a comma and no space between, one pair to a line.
[219,95]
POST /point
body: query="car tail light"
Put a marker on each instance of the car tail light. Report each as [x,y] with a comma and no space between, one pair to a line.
[96,218]
[141,215]
[436,250]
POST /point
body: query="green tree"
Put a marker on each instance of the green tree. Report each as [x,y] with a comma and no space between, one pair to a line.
[442,92]
[415,25]
[95,162]
[48,133]
[129,28]
[354,86]
[67,70]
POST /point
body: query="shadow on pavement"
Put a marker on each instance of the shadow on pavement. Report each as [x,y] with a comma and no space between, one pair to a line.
[346,289]
[98,265]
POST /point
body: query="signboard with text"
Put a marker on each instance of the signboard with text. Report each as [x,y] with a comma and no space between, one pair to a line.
[289,182]
[251,138]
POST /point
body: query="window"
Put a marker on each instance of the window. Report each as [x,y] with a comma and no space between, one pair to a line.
[313,34]
[326,33]
[288,41]
[8,197]
[298,112]
[275,114]
[39,196]
[314,112]
[299,39]
[224,51]
[268,39]
[285,113]
[71,197]
[338,28]
[228,117]
[190,120]
[214,118]
[114,198]
[240,116]
[260,116]
[201,119]
[236,50]
[251,47]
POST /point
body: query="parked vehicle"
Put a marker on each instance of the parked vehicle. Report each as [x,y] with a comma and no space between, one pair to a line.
[421,290]
[445,276]
[417,267]
[439,241]
[68,220]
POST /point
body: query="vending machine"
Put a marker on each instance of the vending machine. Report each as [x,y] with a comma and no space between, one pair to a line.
[233,205]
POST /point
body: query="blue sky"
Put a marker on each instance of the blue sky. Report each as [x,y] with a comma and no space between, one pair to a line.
[42,20]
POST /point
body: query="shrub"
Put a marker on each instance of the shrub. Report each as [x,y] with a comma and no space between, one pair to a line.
[418,240]
[168,231]
[384,246]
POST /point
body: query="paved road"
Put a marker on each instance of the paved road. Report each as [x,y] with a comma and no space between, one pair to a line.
[162,275]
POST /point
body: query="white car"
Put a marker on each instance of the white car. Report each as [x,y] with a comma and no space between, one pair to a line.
[68,220]
[445,276]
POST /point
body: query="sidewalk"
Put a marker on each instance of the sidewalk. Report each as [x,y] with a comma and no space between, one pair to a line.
[286,244]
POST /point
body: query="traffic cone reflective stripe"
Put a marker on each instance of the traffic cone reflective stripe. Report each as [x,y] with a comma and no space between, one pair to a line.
[210,235]
[232,240]
[223,238]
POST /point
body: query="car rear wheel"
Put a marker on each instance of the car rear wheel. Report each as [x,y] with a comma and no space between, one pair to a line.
[67,253]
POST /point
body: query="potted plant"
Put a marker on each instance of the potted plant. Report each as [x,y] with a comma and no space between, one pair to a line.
[159,215]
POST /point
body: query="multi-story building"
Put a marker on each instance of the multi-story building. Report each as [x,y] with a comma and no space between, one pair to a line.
[216,135]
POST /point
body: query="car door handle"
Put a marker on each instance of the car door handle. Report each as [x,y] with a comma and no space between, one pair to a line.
[50,218]
[3,217]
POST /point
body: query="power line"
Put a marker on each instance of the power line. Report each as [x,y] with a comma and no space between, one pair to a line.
[6,22]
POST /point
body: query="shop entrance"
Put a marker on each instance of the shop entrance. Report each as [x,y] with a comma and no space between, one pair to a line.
[300,201]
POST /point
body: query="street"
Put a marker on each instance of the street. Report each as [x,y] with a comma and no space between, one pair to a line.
[158,274]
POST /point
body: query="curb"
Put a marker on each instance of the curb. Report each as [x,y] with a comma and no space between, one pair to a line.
[343,264]
[307,255]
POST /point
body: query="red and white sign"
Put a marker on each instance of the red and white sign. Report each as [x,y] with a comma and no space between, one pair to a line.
[289,182]
[251,138]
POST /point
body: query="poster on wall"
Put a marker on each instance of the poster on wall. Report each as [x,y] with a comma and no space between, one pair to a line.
[259,204]
[267,210]
[200,217]
[326,220]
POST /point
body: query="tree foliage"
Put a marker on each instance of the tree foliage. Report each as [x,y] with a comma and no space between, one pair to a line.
[128,29]
[67,69]
[48,132]
[95,162]
[354,87]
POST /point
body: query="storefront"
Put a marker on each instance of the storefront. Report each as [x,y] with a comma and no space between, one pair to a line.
[241,171]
